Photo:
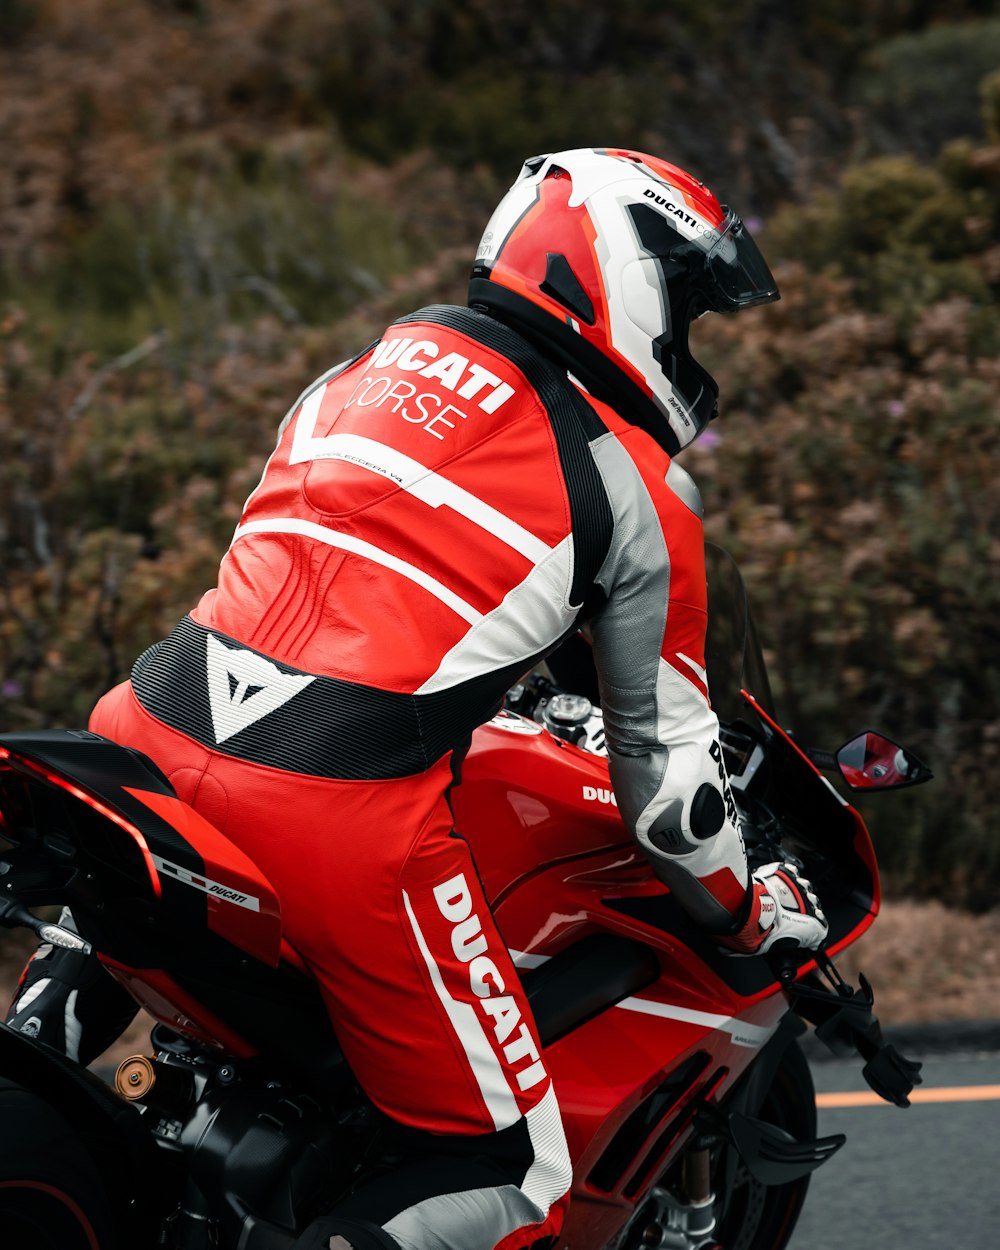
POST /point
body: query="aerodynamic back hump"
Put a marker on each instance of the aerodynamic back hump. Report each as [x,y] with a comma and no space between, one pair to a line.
[108,826]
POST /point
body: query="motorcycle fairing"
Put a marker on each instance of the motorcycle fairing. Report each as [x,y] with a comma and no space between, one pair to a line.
[33,798]
[617,1133]
[560,869]
[242,888]
[841,859]
[527,802]
[548,823]
[644,1039]
[120,817]
[96,827]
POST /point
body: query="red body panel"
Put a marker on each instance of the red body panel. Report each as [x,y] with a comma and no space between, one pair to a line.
[160,995]
[242,905]
[551,848]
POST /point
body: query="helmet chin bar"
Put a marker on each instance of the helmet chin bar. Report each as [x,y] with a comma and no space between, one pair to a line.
[685,374]
[602,379]
[690,379]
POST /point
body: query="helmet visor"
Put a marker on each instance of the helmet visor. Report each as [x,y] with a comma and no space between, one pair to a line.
[737,275]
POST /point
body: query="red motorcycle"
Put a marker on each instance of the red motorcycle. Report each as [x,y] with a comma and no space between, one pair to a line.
[688,1105]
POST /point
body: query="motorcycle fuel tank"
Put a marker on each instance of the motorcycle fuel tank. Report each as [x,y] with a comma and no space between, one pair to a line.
[529,800]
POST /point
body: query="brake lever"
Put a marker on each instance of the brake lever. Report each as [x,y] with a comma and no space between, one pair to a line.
[786,959]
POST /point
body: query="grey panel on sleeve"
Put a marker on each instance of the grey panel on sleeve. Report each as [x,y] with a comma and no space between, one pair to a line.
[635,575]
[628,632]
[660,728]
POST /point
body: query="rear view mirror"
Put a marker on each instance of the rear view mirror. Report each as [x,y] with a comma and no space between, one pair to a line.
[871,762]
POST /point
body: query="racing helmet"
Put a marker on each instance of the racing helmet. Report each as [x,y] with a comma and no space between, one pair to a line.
[602,257]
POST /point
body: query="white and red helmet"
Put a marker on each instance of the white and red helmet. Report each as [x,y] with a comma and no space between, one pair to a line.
[603,257]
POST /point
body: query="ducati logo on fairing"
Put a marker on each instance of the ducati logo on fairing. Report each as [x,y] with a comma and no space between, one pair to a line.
[205,884]
[597,794]
[243,687]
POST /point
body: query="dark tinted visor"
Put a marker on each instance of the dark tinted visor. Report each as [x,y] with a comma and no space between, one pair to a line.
[737,273]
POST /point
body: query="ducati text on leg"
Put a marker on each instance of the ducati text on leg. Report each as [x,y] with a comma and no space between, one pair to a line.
[469,943]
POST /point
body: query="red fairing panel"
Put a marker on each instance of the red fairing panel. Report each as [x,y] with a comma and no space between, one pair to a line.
[64,783]
[641,1051]
[163,998]
[242,906]
[528,800]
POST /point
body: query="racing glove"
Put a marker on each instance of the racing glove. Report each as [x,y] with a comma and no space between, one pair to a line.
[784,911]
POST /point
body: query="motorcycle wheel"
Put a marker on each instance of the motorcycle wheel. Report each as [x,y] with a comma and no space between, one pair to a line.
[51,1196]
[763,1217]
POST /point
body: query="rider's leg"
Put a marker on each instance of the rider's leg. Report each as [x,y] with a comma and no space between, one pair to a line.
[67,1000]
[386,907]
[431,1016]
[457,1063]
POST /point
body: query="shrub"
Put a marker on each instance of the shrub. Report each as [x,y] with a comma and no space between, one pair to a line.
[855,479]
[227,233]
[989,96]
[904,234]
[189,237]
[919,89]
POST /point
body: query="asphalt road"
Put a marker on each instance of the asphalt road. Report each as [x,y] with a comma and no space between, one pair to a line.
[926,1177]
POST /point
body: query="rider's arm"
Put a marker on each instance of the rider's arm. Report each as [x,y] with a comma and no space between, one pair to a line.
[649,643]
[663,737]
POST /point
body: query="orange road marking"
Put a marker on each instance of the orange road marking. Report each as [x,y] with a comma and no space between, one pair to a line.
[957,1093]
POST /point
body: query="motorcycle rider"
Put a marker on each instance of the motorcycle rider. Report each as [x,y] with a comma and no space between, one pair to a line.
[438,514]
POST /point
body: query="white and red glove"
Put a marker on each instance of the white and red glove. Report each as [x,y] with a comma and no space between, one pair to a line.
[784,909]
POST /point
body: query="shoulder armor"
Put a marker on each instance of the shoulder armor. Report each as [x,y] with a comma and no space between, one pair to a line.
[683,485]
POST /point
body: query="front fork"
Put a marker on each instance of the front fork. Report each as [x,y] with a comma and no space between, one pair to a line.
[683,1220]
[695,1220]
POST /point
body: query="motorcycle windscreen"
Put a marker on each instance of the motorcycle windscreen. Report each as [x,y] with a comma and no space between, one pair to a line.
[733,656]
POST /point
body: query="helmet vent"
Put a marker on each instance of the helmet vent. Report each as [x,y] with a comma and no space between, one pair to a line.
[562,284]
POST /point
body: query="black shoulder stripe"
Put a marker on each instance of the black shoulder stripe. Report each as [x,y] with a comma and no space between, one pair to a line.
[574,423]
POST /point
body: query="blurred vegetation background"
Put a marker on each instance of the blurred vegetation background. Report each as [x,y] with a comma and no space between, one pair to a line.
[206,203]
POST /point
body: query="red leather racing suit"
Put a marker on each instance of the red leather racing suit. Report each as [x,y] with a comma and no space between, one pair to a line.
[435,517]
